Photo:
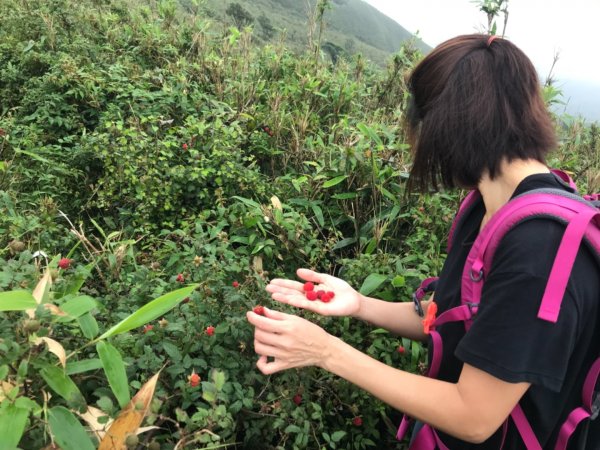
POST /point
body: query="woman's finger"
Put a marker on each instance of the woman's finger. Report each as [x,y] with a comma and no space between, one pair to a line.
[269,368]
[267,338]
[311,275]
[268,350]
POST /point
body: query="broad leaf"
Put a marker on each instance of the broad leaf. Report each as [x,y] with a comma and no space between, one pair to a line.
[12,425]
[150,311]
[112,362]
[62,384]
[16,301]
[67,430]
[372,282]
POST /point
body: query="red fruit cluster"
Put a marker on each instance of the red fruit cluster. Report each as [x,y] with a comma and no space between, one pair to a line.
[210,330]
[357,421]
[311,294]
[235,284]
[194,379]
[259,309]
[180,278]
[147,328]
[297,399]
[267,130]
[65,263]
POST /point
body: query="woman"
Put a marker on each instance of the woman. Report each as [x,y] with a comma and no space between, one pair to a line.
[477,121]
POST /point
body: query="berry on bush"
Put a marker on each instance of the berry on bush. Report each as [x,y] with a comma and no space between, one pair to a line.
[194,379]
[180,278]
[147,328]
[401,349]
[297,399]
[357,421]
[65,263]
[235,284]
[259,309]
[210,330]
[184,146]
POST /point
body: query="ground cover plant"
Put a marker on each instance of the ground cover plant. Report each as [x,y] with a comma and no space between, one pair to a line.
[156,171]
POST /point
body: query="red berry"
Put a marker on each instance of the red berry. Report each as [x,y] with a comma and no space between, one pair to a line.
[357,421]
[185,146]
[194,379]
[320,294]
[311,295]
[235,284]
[401,349]
[297,399]
[210,330]
[308,286]
[180,278]
[325,298]
[331,294]
[147,328]
[65,263]
[259,309]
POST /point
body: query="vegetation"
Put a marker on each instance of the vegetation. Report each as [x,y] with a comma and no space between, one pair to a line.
[155,172]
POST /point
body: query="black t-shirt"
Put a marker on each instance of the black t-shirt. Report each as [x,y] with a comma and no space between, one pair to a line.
[508,341]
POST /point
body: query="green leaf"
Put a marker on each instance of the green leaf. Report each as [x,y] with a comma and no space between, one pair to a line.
[112,362]
[344,243]
[334,181]
[338,435]
[16,301]
[345,195]
[372,282]
[209,392]
[318,214]
[78,306]
[150,311]
[75,283]
[84,365]
[88,325]
[62,384]
[67,430]
[398,281]
[12,425]
[218,377]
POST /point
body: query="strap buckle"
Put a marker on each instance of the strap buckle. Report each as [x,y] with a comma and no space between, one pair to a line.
[417,302]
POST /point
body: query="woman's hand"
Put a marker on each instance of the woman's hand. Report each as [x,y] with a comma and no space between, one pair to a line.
[346,302]
[290,340]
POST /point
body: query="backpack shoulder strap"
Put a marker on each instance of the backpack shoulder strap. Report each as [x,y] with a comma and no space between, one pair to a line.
[466,205]
[582,220]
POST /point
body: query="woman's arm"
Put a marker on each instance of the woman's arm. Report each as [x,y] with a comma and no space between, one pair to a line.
[471,410]
[397,317]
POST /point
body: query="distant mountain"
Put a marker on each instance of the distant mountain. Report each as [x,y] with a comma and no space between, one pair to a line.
[352,26]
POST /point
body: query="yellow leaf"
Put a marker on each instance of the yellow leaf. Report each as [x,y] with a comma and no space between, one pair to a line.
[5,387]
[276,203]
[54,347]
[130,418]
[91,417]
[43,287]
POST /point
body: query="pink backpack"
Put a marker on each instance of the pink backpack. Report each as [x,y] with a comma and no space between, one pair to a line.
[582,218]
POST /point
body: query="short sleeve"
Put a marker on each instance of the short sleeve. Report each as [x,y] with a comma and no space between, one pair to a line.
[507,340]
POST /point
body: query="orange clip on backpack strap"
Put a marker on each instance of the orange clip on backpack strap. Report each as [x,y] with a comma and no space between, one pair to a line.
[430,317]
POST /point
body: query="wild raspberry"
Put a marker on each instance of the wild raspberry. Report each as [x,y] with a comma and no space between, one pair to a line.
[210,330]
[185,146]
[180,278]
[65,263]
[311,295]
[147,328]
[357,421]
[320,294]
[325,298]
[401,349]
[259,309]
[194,379]
[308,286]
[297,399]
[235,284]
[331,294]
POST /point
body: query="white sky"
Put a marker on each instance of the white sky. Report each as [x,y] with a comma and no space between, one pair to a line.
[538,27]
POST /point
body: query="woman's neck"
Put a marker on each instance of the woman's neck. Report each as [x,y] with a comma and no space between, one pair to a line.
[497,192]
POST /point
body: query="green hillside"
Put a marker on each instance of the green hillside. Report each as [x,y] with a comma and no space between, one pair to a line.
[350,25]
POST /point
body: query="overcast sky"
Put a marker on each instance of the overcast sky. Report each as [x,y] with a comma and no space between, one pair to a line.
[539,27]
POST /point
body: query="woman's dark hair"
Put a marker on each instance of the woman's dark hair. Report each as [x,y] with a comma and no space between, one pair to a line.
[475,102]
